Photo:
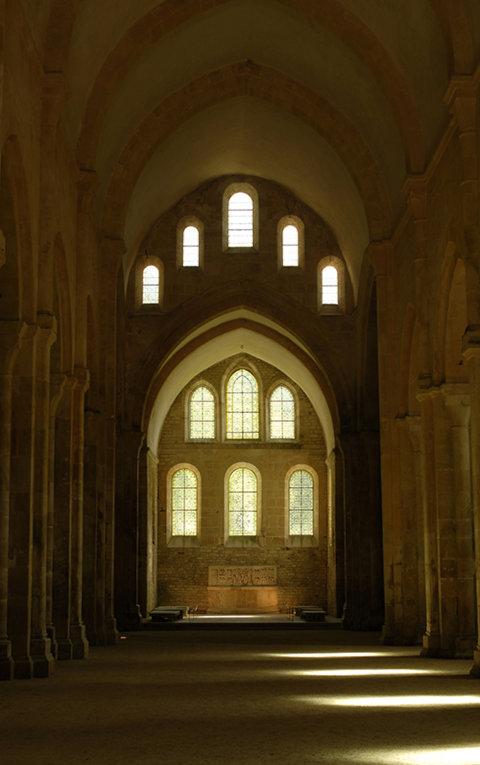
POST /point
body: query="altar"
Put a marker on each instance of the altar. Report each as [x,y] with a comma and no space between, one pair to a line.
[242,589]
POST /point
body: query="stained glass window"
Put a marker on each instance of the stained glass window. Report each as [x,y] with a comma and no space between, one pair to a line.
[191,246]
[300,503]
[240,220]
[184,503]
[282,413]
[242,405]
[150,285]
[242,503]
[290,246]
[329,286]
[202,413]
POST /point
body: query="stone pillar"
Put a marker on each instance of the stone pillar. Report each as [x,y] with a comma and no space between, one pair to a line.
[77,629]
[461,564]
[381,256]
[10,337]
[57,382]
[110,622]
[40,642]
[21,505]
[335,512]
[130,470]
[431,638]
[472,355]
[363,533]
[93,584]
[147,529]
[412,498]
[61,521]
[407,628]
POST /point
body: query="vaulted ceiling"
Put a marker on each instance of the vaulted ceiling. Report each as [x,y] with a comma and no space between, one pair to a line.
[337,100]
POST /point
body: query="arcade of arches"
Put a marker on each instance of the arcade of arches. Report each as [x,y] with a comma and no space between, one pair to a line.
[239,316]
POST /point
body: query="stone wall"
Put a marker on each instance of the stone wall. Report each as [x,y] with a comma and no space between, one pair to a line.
[183,572]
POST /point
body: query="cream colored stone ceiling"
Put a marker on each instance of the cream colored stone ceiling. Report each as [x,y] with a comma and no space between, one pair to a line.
[158,101]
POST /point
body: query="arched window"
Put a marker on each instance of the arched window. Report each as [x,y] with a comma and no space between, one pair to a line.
[242,502]
[282,413]
[329,286]
[191,246]
[150,285]
[242,417]
[240,220]
[300,503]
[202,413]
[184,503]
[290,245]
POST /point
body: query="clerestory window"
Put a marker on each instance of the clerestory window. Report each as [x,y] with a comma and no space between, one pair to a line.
[329,286]
[300,503]
[150,285]
[202,414]
[240,217]
[282,413]
[184,503]
[242,414]
[242,502]
[290,245]
[191,247]
[240,220]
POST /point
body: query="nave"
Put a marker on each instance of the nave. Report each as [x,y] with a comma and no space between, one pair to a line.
[242,697]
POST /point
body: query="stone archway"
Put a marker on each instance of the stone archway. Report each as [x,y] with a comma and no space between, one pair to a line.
[261,349]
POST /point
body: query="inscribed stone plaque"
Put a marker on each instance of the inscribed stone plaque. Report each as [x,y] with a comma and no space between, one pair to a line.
[242,576]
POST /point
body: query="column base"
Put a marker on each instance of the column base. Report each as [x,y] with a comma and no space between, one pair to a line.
[53,640]
[465,646]
[431,645]
[79,641]
[6,660]
[23,669]
[64,649]
[111,631]
[475,670]
[43,661]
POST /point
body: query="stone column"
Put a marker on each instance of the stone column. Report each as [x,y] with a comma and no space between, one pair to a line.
[444,527]
[21,505]
[472,355]
[412,495]
[408,627]
[77,629]
[461,564]
[40,642]
[431,638]
[57,382]
[335,510]
[61,521]
[381,256]
[129,471]
[10,338]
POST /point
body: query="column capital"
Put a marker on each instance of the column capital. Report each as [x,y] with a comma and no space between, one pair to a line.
[12,332]
[416,193]
[461,97]
[471,342]
[87,185]
[81,377]
[380,254]
[113,250]
[55,92]
[424,392]
[47,326]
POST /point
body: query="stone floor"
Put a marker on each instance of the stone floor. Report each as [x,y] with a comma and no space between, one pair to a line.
[236,697]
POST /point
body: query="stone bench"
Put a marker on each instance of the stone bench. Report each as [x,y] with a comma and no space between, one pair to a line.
[168,613]
[311,613]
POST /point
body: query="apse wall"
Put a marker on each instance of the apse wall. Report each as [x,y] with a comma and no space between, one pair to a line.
[300,562]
